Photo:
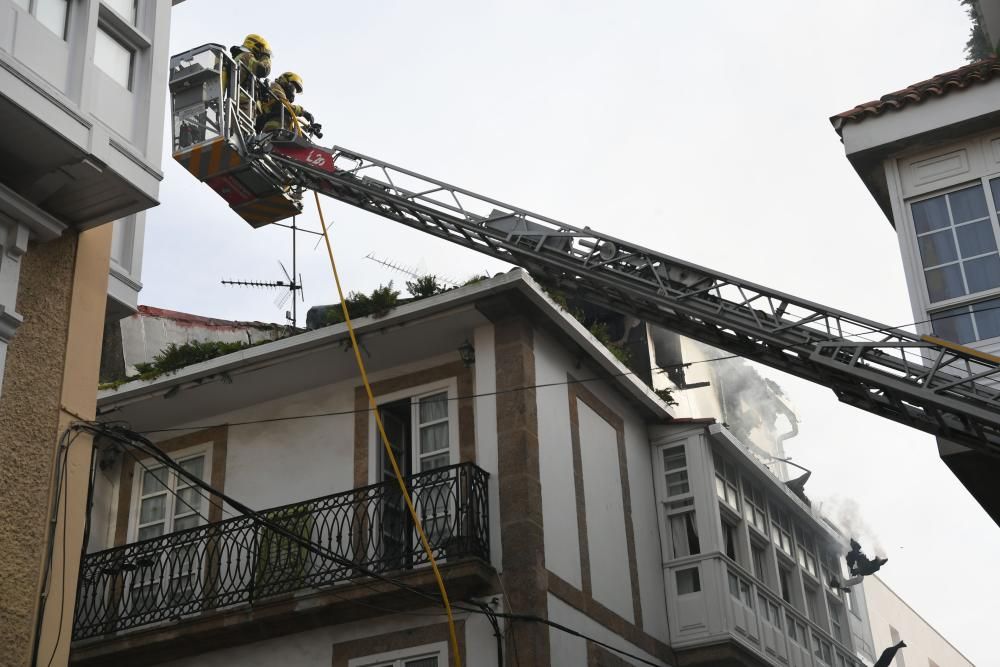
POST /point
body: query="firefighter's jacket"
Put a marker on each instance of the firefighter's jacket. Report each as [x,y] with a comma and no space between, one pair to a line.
[273,105]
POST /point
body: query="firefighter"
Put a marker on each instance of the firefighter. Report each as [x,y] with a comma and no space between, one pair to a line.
[255,55]
[279,106]
[885,659]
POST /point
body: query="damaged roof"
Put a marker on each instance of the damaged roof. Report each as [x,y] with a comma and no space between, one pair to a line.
[937,86]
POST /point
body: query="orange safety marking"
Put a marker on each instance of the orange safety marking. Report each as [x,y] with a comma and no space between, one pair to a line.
[194,166]
[215,159]
[961,348]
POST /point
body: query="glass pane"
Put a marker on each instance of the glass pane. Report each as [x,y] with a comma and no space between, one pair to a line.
[688,581]
[938,248]
[995,188]
[124,7]
[188,500]
[187,522]
[113,58]
[982,273]
[673,458]
[987,319]
[154,480]
[153,509]
[944,283]
[432,462]
[433,408]
[677,483]
[968,204]
[734,585]
[434,438]
[955,325]
[422,662]
[195,466]
[929,214]
[975,238]
[52,15]
[151,531]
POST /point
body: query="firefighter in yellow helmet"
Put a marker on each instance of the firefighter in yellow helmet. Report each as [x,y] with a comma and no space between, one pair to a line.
[279,106]
[254,55]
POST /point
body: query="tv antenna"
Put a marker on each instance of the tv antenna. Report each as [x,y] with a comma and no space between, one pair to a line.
[413,272]
[289,286]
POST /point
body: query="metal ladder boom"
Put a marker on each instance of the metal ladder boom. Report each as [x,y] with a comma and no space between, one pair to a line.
[946,390]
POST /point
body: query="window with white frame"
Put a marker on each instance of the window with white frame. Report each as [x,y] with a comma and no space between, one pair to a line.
[165,501]
[114,58]
[675,471]
[429,655]
[757,554]
[956,234]
[837,621]
[53,14]
[781,530]
[753,506]
[812,602]
[797,631]
[127,9]
[807,560]
[684,540]
[730,540]
[822,649]
[727,483]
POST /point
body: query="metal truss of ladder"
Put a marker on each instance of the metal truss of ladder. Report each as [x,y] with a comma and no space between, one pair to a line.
[943,389]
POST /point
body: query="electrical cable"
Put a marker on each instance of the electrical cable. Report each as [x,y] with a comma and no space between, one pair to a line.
[485,394]
[385,441]
[131,438]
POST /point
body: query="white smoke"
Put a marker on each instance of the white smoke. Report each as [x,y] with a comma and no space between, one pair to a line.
[846,513]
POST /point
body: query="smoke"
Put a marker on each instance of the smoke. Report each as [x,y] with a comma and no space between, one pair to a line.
[846,513]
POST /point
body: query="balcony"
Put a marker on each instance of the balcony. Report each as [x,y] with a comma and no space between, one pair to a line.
[235,564]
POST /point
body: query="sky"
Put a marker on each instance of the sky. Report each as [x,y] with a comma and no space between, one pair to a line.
[698,129]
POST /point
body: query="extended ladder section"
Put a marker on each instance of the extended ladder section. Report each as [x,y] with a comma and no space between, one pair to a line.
[944,389]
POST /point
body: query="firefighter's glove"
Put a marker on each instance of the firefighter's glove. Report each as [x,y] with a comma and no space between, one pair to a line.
[308,116]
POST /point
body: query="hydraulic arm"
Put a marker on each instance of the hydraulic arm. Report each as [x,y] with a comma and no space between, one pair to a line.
[938,387]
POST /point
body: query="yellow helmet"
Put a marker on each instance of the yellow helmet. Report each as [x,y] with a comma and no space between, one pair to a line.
[292,79]
[257,44]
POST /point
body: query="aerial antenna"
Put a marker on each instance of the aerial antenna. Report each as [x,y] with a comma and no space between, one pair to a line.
[289,286]
[411,271]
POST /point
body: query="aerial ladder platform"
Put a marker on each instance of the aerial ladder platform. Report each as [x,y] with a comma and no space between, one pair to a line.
[933,385]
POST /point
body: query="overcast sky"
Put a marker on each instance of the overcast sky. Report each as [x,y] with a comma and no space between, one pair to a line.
[699,129]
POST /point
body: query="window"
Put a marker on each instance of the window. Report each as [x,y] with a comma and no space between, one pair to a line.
[894,636]
[805,551]
[166,502]
[781,531]
[684,535]
[430,655]
[726,483]
[675,471]
[757,556]
[114,58]
[796,631]
[125,8]
[822,649]
[729,539]
[957,243]
[740,589]
[52,14]
[785,580]
[688,581]
[753,507]
[851,603]
[836,622]
[812,603]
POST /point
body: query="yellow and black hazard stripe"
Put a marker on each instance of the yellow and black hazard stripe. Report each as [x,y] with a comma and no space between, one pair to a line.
[262,211]
[207,160]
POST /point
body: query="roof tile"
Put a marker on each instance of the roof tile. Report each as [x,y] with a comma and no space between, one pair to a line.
[937,86]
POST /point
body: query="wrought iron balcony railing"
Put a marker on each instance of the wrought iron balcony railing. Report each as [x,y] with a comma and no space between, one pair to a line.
[237,561]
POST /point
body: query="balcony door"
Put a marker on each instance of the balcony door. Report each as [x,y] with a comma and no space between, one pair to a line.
[419,432]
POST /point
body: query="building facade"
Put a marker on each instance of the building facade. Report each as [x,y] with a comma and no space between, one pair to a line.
[546,476]
[930,156]
[82,86]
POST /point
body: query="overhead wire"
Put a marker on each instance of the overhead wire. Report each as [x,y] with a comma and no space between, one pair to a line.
[130,438]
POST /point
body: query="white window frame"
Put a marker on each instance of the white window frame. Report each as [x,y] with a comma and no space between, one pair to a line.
[916,262]
[32,10]
[399,657]
[375,447]
[204,449]
[129,36]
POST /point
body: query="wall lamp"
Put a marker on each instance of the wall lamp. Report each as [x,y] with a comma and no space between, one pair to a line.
[467,353]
